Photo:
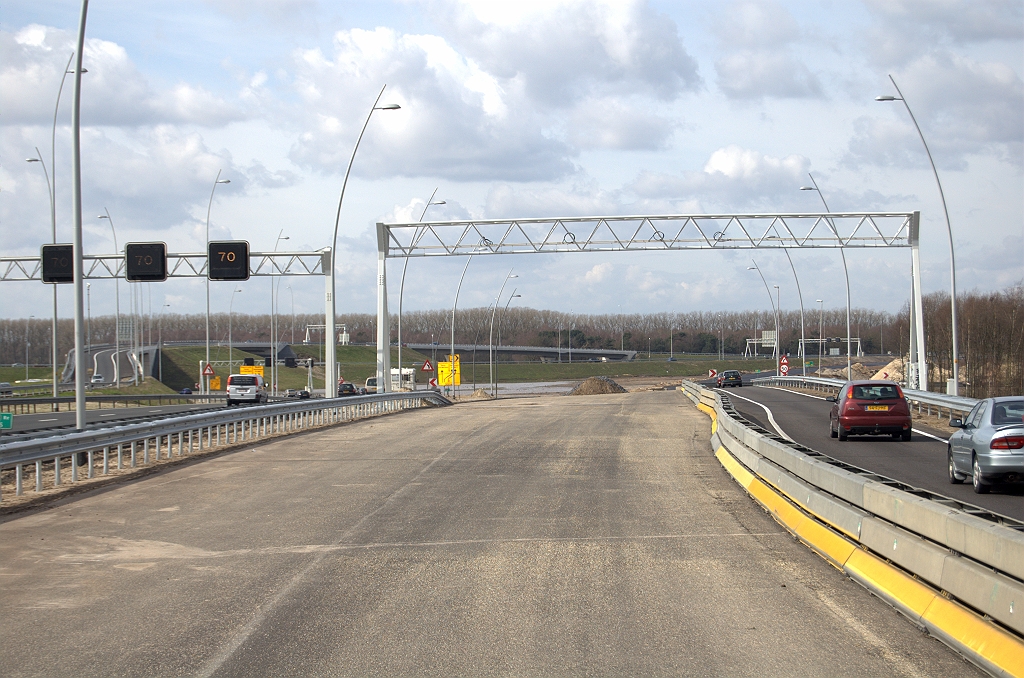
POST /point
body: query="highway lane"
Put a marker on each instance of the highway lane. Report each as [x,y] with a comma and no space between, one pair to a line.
[920,462]
[42,420]
[532,536]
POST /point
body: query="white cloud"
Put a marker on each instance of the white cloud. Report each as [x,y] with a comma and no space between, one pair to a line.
[598,273]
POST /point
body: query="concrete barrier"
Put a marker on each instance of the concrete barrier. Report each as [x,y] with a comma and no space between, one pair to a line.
[902,547]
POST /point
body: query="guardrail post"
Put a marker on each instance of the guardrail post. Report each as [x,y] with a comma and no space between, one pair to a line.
[56,471]
[106,460]
[120,456]
[74,468]
[88,473]
[17,480]
[134,443]
[39,476]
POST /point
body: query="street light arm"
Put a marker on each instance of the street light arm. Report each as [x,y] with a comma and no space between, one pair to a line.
[348,170]
[53,148]
[401,287]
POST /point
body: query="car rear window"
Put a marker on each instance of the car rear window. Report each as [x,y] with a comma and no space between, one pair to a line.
[241,380]
[880,392]
[731,373]
[1008,412]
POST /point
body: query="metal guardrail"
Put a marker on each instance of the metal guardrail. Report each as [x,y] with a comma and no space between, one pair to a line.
[925,400]
[137,443]
[27,405]
[967,553]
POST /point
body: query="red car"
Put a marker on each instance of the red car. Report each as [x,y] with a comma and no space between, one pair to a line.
[870,408]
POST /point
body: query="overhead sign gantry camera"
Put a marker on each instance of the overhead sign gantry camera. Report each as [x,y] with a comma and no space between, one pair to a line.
[145,262]
[229,260]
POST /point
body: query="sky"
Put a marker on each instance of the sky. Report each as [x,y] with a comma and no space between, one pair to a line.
[518,109]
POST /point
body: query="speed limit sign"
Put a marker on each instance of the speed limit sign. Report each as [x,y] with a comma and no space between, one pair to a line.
[784,365]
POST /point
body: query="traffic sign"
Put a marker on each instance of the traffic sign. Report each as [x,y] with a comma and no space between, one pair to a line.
[712,374]
[208,370]
[454,358]
[58,263]
[145,262]
[228,260]
[427,367]
[445,374]
[433,383]
[783,369]
[6,420]
[251,369]
[784,360]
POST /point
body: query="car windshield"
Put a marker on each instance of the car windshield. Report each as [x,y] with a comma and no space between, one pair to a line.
[241,380]
[732,373]
[1008,412]
[880,392]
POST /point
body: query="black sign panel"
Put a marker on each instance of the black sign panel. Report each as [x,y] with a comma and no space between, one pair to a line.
[58,263]
[228,260]
[145,261]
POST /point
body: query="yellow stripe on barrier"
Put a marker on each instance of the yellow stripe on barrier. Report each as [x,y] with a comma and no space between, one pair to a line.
[994,646]
[710,411]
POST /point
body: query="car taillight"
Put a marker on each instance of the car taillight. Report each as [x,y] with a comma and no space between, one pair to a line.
[1007,443]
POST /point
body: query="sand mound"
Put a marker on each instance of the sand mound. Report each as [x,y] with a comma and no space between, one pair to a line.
[859,372]
[480,394]
[893,371]
[597,386]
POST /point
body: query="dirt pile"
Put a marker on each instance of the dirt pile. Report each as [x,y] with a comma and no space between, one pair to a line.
[859,372]
[893,371]
[597,386]
[481,394]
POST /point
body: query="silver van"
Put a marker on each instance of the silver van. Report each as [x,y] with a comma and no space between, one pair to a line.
[246,388]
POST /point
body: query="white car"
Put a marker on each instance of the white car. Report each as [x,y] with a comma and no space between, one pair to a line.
[246,388]
[97,379]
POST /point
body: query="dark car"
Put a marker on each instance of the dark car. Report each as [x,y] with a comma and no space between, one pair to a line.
[303,394]
[185,391]
[347,389]
[989,445]
[870,408]
[730,378]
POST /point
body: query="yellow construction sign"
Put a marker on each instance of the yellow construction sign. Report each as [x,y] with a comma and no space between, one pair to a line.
[444,373]
[250,369]
[214,383]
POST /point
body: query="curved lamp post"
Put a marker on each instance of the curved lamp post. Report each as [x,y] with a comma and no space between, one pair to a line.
[117,306]
[218,180]
[160,341]
[230,311]
[774,313]
[803,345]
[949,230]
[401,288]
[274,331]
[53,226]
[500,318]
[821,343]
[331,347]
[846,272]
[490,341]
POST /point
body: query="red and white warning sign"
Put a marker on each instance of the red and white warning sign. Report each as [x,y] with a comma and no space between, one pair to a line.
[427,367]
[783,366]
[712,374]
[208,371]
[433,383]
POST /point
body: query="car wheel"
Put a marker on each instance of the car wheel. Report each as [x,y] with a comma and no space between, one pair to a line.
[843,435]
[979,486]
[905,437]
[954,477]
[831,431]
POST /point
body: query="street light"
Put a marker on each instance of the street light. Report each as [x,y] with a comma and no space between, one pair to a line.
[230,305]
[117,306]
[772,302]
[500,318]
[160,341]
[292,293]
[846,272]
[490,341]
[821,341]
[955,387]
[27,344]
[53,226]
[88,323]
[273,318]
[331,353]
[800,295]
[401,288]
[217,180]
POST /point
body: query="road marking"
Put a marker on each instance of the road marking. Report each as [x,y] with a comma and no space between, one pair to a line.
[771,417]
[929,435]
[108,415]
[54,419]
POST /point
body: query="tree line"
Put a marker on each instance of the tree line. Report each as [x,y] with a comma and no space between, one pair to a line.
[991,332]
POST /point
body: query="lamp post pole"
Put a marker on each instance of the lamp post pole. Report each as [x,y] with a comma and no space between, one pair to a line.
[331,347]
[27,345]
[160,342]
[230,345]
[76,200]
[117,306]
[846,272]
[291,293]
[955,386]
[217,180]
[821,339]
[53,226]
[451,357]
[500,317]
[803,347]
[774,313]
[490,340]
[401,288]
[274,333]
[88,322]
[778,329]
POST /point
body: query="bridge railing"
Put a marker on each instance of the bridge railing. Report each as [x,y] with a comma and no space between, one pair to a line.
[137,444]
[971,559]
[32,405]
[925,401]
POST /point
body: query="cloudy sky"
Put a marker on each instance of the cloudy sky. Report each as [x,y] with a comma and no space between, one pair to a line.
[512,110]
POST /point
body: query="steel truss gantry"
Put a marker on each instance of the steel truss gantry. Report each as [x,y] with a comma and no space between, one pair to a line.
[189,265]
[661,233]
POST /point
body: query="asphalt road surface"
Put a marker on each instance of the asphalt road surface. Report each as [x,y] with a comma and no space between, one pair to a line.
[41,420]
[920,462]
[546,536]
